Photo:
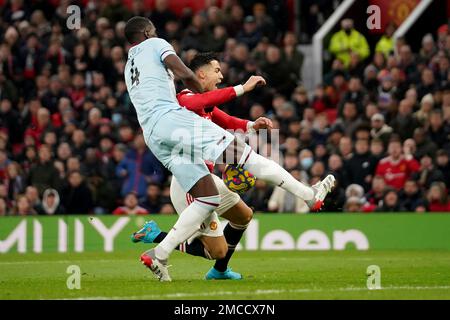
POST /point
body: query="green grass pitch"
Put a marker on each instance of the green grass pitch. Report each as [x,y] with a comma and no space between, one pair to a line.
[268,275]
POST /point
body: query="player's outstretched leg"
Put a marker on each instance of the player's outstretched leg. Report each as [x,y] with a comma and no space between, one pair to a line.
[207,199]
[270,171]
[151,233]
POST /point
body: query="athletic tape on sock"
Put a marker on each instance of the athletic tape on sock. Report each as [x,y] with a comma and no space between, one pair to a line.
[238,226]
[210,202]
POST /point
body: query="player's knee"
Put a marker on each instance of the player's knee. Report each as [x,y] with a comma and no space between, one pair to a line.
[247,216]
[244,217]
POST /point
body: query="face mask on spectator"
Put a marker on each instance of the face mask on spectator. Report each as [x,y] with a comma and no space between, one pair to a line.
[307,163]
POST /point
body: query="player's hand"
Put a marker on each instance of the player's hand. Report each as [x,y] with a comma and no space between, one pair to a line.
[252,82]
[263,123]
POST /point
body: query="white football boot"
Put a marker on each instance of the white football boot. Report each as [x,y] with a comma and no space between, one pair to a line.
[321,189]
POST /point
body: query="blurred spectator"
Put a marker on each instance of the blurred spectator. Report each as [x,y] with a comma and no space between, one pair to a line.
[355,190]
[407,62]
[347,41]
[443,164]
[130,207]
[436,129]
[115,11]
[4,210]
[426,105]
[138,168]
[44,175]
[161,14]
[291,54]
[264,21]
[424,145]
[198,36]
[153,200]
[428,173]
[437,198]
[250,34]
[376,193]
[346,148]
[76,196]
[428,49]
[350,119]
[10,120]
[361,165]
[427,84]
[380,130]
[14,181]
[257,198]
[386,43]
[23,207]
[32,194]
[51,203]
[353,204]
[390,202]
[404,123]
[278,72]
[411,196]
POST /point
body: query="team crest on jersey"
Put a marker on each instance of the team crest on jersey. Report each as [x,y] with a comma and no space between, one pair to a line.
[213,225]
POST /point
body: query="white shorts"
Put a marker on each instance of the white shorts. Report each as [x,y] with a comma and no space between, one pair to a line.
[182,141]
[211,227]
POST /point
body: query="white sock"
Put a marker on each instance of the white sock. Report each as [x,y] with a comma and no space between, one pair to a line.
[270,171]
[187,224]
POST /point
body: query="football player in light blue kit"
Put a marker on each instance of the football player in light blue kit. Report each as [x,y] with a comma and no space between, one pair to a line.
[182,140]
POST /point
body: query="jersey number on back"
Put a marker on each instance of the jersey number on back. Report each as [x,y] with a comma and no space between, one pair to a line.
[134,74]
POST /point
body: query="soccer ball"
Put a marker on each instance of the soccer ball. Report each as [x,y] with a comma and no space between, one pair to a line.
[237,179]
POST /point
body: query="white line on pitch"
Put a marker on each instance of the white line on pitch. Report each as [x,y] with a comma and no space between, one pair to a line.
[60,261]
[257,292]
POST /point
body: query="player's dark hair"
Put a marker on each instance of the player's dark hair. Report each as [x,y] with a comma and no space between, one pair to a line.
[135,27]
[202,59]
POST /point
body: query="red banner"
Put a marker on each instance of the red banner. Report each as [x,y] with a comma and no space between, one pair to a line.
[395,11]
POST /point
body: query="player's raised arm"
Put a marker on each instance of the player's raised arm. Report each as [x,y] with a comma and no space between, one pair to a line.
[208,71]
[182,72]
[198,101]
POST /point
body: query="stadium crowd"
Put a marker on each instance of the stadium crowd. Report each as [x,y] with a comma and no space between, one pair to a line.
[70,142]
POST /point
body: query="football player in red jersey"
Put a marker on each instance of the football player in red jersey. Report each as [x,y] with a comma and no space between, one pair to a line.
[210,241]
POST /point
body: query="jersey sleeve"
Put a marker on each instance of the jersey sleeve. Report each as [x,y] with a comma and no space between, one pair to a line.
[198,101]
[162,48]
[225,121]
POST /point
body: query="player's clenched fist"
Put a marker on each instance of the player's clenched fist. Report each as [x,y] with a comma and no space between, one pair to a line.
[252,82]
[262,123]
